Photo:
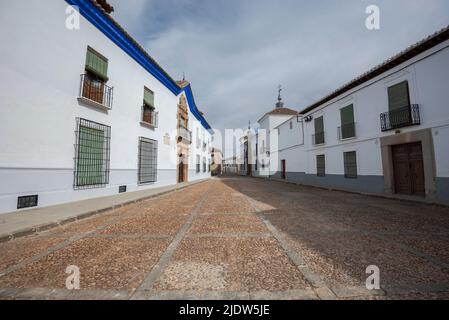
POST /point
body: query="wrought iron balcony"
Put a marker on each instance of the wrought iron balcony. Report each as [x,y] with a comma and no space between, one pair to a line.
[318,138]
[185,135]
[96,91]
[399,118]
[150,118]
[347,131]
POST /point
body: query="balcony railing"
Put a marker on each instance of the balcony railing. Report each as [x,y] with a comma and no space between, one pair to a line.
[150,118]
[318,138]
[185,134]
[399,118]
[347,131]
[96,90]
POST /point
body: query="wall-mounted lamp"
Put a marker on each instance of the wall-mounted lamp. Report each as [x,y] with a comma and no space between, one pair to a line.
[308,118]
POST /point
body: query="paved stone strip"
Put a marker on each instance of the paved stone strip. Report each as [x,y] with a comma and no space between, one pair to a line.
[228,295]
[230,235]
[409,249]
[398,244]
[130,236]
[51,225]
[89,234]
[408,288]
[319,287]
[156,272]
[62,294]
[57,247]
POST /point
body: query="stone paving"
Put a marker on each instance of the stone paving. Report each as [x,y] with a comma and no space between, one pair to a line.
[238,238]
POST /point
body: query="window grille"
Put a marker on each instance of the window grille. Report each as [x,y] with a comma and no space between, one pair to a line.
[92,154]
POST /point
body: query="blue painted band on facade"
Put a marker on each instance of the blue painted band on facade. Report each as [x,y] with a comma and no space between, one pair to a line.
[94,15]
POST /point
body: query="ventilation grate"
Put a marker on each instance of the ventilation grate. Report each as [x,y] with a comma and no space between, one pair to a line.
[27,202]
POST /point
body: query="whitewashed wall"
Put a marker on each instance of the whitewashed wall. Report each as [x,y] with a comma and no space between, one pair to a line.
[41,67]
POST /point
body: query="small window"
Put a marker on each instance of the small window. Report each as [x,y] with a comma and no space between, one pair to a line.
[350,162]
[96,64]
[321,165]
[148,98]
[93,82]
[147,161]
[398,96]
[291,125]
[204,164]
[347,129]
[319,131]
[92,154]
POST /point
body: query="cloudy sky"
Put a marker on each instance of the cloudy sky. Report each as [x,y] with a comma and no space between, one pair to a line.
[236,52]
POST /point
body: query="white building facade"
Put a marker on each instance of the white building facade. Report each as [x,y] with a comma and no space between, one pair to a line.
[386,132]
[87,112]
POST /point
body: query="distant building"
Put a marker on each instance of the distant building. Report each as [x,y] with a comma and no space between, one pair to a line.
[230,166]
[217,159]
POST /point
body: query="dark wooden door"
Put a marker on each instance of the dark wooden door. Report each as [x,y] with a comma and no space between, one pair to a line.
[408,169]
[283,168]
[181,172]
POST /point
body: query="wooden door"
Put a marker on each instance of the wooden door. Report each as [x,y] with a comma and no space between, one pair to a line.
[181,172]
[408,169]
[283,168]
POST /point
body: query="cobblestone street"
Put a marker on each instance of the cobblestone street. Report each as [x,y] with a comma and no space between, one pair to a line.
[239,238]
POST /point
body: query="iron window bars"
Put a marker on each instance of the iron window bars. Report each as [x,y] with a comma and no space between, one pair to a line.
[95,89]
[350,163]
[318,138]
[346,131]
[147,160]
[92,154]
[399,118]
[321,165]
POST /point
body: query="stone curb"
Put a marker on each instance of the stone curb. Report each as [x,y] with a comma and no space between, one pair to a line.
[47,226]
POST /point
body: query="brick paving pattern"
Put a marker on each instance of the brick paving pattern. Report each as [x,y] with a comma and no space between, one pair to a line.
[239,238]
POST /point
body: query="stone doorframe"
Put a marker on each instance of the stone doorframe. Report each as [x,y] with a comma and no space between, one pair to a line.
[182,147]
[423,136]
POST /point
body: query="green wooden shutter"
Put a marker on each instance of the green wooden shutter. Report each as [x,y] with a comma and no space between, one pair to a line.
[90,157]
[398,96]
[321,165]
[148,97]
[350,162]
[347,115]
[347,122]
[96,64]
[319,125]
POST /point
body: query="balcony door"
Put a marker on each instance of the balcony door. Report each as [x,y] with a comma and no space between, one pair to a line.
[408,166]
